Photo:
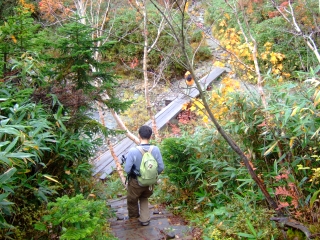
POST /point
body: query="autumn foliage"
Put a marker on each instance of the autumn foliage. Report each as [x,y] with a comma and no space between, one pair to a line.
[53,10]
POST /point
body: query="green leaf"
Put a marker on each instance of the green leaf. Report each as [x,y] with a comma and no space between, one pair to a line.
[275,167]
[20,155]
[6,203]
[247,235]
[314,198]
[245,182]
[4,159]
[12,144]
[4,122]
[10,130]
[3,196]
[253,231]
[7,175]
[40,226]
[4,143]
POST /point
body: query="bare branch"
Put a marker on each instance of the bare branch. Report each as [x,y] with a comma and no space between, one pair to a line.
[292,21]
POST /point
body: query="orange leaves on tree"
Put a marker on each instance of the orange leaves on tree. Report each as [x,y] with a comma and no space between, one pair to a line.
[251,165]
[174,129]
[223,23]
[28,6]
[53,9]
[134,63]
[282,176]
[288,196]
[282,191]
[283,6]
[282,205]
[217,101]
[186,115]
[230,40]
[274,61]
[13,38]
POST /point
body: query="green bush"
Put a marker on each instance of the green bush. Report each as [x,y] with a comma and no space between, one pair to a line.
[204,53]
[196,36]
[240,220]
[202,164]
[75,218]
[176,158]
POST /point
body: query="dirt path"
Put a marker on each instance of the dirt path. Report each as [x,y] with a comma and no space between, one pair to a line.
[163,224]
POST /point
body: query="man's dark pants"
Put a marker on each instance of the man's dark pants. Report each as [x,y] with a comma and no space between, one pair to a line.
[138,195]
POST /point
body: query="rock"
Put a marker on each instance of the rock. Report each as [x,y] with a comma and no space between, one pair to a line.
[170,235]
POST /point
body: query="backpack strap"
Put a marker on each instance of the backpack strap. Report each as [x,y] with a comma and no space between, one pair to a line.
[142,151]
[150,149]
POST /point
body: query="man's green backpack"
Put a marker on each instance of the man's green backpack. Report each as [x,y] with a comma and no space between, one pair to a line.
[148,168]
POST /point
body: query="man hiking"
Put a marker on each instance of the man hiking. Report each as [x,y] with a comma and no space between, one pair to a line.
[138,194]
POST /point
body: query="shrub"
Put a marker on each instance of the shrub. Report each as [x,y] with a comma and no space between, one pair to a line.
[75,218]
[203,53]
[196,36]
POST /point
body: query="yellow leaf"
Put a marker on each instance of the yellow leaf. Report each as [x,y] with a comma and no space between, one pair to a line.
[275,71]
[316,97]
[218,64]
[222,23]
[270,149]
[273,59]
[292,141]
[295,110]
[300,167]
[193,108]
[199,104]
[50,178]
[280,56]
[205,119]
[186,7]
[316,102]
[13,39]
[184,106]
[286,75]
[268,46]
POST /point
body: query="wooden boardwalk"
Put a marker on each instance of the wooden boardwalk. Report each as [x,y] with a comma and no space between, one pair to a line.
[104,164]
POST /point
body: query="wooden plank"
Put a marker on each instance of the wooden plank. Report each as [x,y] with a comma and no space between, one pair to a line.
[169,112]
[120,148]
[173,109]
[105,164]
[206,81]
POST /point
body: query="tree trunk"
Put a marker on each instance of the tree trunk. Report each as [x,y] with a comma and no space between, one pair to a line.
[107,140]
[145,71]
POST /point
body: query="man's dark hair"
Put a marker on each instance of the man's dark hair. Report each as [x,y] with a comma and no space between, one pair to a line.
[145,132]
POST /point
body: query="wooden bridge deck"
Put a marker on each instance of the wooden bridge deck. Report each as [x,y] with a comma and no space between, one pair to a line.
[104,164]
